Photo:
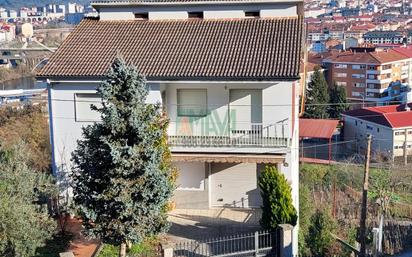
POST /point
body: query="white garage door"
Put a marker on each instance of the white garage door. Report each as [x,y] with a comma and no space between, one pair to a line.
[234,185]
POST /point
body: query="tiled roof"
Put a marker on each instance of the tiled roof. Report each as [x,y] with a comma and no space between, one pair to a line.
[317,128]
[241,49]
[380,34]
[376,57]
[393,116]
[406,51]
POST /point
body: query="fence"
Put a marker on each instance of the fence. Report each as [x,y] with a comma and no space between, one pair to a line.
[259,243]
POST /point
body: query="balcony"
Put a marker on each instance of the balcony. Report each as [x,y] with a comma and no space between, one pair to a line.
[238,135]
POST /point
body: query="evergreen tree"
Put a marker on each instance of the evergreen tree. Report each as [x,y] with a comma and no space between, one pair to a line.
[122,177]
[338,103]
[319,238]
[317,98]
[24,222]
[276,194]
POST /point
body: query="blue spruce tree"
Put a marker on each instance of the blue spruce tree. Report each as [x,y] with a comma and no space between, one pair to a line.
[122,177]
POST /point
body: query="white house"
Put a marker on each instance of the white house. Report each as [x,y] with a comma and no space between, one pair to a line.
[226,72]
[390,127]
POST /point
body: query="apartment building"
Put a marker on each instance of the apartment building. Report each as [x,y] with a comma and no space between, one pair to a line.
[390,127]
[367,74]
[383,37]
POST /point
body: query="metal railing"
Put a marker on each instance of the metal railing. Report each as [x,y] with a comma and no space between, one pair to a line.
[259,243]
[231,135]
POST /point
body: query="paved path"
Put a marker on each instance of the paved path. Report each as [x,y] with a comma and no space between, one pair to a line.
[205,224]
[80,246]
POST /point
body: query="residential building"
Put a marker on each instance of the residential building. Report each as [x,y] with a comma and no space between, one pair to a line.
[383,37]
[318,47]
[222,71]
[366,74]
[390,127]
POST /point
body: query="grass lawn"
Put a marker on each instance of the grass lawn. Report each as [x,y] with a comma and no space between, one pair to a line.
[147,248]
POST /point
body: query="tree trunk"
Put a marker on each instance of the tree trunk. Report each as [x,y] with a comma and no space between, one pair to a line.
[122,252]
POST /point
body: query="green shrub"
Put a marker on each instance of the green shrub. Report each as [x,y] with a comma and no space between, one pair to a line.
[276,194]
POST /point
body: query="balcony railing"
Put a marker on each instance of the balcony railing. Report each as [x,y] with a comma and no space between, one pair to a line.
[273,135]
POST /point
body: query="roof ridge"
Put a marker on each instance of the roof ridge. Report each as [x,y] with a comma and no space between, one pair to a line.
[388,120]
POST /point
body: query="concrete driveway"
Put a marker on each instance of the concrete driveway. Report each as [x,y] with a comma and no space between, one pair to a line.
[203,224]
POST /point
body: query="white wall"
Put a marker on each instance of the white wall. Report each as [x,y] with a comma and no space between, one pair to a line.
[357,130]
[276,100]
[210,11]
[280,101]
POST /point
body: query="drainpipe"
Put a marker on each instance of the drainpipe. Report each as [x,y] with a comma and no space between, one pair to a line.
[51,125]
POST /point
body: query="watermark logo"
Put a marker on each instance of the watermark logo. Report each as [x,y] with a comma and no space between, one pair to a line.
[212,123]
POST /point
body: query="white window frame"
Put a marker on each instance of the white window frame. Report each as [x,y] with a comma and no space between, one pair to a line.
[79,118]
[180,109]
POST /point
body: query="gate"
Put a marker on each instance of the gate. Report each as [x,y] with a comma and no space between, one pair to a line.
[259,243]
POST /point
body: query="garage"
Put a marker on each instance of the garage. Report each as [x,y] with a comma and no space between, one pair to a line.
[234,185]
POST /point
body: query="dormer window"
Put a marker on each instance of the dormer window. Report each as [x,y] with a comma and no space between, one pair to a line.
[141,16]
[195,15]
[252,14]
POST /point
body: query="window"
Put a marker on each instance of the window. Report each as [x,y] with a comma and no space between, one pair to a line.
[370,76]
[369,127]
[358,67]
[356,94]
[358,76]
[373,86]
[372,95]
[341,83]
[356,123]
[399,133]
[83,112]
[195,15]
[141,16]
[192,102]
[254,14]
[340,75]
[387,67]
[341,66]
[191,176]
[356,84]
[377,129]
[371,67]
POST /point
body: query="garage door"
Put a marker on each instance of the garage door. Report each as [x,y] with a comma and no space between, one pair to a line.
[234,185]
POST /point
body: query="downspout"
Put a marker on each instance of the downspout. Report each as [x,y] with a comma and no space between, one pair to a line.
[303,80]
[51,125]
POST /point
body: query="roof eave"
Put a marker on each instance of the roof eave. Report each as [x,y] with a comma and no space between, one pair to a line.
[176,79]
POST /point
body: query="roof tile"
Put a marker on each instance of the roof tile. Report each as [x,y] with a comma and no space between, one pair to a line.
[247,49]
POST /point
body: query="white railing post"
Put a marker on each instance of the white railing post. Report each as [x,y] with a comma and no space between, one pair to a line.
[256,243]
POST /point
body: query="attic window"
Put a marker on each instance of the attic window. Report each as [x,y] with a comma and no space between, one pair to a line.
[195,15]
[141,16]
[252,14]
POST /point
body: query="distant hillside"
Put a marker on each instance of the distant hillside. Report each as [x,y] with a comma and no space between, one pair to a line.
[28,3]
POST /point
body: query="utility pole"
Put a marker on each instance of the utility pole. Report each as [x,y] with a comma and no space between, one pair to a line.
[405,148]
[364,210]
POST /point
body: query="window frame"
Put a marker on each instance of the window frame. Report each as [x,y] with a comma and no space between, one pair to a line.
[195,15]
[76,108]
[204,113]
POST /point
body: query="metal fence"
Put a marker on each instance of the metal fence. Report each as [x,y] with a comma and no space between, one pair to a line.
[259,243]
